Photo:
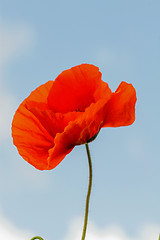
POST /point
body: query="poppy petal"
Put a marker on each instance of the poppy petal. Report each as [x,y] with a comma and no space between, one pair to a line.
[30,135]
[35,126]
[73,89]
[31,139]
[120,109]
[74,134]
[77,132]
[40,94]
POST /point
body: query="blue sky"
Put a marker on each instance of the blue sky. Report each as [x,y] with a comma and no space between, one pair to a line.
[38,40]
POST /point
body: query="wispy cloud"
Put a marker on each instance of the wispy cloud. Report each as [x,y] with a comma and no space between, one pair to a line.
[14,41]
[147,232]
[10,232]
[7,103]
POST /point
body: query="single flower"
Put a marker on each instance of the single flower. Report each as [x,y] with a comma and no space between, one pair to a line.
[69,111]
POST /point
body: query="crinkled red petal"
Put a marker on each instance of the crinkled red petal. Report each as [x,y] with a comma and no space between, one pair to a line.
[75,89]
[120,109]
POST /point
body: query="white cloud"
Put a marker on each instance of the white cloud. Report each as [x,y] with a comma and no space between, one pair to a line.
[14,41]
[7,106]
[148,232]
[10,232]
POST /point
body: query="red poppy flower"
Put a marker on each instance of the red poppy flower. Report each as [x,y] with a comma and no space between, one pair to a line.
[69,111]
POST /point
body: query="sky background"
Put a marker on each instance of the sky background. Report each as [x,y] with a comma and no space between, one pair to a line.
[38,40]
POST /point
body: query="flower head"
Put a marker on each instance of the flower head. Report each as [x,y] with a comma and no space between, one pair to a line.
[69,111]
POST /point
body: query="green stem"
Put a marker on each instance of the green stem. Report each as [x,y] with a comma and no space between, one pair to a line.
[88,193]
[37,237]
[87,198]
